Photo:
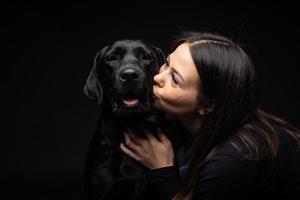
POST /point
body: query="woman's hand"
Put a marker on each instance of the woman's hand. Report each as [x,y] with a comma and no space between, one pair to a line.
[150,152]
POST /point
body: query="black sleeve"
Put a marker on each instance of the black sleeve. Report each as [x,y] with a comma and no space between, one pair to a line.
[224,177]
[227,177]
[166,180]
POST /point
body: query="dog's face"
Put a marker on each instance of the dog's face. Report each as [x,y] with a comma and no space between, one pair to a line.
[122,76]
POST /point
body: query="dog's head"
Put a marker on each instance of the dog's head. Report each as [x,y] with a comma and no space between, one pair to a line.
[121,77]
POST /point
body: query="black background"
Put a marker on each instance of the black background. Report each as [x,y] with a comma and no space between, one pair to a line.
[48,49]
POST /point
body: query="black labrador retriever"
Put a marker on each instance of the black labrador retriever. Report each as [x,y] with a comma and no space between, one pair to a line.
[121,81]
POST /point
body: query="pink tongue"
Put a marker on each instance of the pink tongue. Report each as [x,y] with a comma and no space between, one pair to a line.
[130,102]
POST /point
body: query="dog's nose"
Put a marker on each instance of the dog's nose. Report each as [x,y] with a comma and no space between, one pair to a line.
[129,75]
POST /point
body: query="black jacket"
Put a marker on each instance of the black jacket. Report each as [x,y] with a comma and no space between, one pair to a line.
[230,176]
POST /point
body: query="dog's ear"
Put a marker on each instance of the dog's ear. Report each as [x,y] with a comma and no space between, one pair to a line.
[160,54]
[92,87]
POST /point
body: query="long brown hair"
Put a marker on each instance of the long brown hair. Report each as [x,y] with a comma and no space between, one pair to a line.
[229,83]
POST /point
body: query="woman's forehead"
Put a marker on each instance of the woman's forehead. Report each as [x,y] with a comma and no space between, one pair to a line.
[181,60]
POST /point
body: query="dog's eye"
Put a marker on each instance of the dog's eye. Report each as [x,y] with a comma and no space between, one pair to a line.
[112,57]
[147,56]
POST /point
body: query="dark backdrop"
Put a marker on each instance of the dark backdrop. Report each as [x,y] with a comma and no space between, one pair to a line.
[48,52]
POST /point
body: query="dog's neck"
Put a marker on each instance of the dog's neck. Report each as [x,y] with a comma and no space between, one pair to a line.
[131,119]
[152,118]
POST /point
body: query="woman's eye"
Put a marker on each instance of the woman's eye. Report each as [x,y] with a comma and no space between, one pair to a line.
[112,57]
[147,56]
[174,79]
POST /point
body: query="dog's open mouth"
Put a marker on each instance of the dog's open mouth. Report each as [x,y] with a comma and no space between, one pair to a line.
[130,102]
[127,102]
[128,105]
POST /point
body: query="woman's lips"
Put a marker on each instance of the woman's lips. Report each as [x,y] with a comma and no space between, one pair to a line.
[154,88]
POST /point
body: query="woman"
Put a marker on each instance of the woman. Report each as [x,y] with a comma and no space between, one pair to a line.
[238,151]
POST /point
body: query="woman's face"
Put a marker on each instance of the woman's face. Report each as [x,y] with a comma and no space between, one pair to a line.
[176,87]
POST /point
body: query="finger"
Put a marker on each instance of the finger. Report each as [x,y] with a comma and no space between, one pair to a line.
[131,143]
[159,131]
[129,152]
[129,131]
[163,138]
[129,138]
[151,138]
[135,139]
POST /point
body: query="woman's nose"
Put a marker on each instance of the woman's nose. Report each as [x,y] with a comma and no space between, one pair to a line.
[158,78]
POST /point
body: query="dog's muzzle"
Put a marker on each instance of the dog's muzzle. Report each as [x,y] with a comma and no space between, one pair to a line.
[131,83]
